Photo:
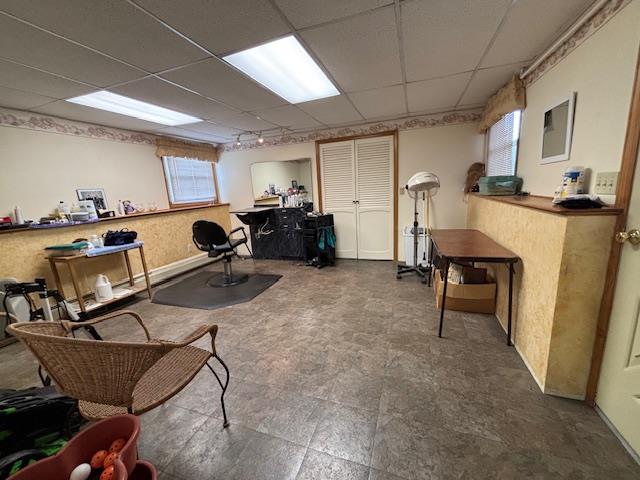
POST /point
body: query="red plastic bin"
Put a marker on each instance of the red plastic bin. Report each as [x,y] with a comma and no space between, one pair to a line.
[81,448]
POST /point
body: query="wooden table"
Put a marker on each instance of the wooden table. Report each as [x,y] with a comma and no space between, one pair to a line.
[71,260]
[464,245]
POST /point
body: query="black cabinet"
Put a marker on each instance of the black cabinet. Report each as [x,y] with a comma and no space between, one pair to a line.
[280,236]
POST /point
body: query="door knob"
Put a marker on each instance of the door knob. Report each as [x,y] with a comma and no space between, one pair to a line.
[633,236]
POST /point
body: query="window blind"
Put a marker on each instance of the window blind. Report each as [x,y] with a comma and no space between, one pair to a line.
[189,180]
[503,145]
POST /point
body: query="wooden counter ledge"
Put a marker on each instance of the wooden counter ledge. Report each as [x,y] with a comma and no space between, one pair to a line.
[538,202]
[112,219]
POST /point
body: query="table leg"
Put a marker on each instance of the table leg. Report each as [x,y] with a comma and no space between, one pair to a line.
[444,295]
[128,262]
[146,271]
[510,303]
[76,286]
[430,260]
[56,276]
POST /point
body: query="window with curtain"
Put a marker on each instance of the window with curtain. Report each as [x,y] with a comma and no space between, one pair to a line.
[502,150]
[189,181]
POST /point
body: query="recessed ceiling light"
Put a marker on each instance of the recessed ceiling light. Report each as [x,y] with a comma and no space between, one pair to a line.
[284,67]
[131,107]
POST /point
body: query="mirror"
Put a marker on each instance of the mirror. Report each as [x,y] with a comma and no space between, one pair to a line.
[557,130]
[269,178]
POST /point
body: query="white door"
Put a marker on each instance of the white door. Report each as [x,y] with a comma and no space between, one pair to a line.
[618,394]
[374,197]
[337,169]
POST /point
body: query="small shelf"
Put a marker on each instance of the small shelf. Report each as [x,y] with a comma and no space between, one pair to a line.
[120,293]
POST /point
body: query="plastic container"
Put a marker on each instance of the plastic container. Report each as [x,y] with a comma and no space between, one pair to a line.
[81,448]
[500,185]
[102,289]
[423,257]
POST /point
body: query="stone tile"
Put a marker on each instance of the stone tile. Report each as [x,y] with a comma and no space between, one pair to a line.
[357,389]
[165,431]
[294,417]
[418,406]
[417,453]
[320,466]
[380,475]
[345,432]
[267,458]
[211,452]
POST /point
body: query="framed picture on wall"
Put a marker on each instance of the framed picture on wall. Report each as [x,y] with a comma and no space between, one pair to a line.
[557,130]
[96,194]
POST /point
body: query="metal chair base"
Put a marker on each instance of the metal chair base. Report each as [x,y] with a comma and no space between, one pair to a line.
[228,279]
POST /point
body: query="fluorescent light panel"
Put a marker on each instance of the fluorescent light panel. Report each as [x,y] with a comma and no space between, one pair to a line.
[284,67]
[131,107]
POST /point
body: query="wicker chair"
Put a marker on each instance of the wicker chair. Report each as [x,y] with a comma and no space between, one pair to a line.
[110,378]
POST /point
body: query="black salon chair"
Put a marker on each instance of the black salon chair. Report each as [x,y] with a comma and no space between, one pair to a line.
[211,238]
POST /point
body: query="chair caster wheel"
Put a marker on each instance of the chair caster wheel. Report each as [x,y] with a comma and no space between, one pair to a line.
[398,277]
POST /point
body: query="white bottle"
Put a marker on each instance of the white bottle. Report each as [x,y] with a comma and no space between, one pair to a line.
[120,208]
[17,215]
[102,289]
[63,209]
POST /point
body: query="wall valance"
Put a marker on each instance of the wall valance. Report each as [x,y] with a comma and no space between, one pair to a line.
[171,147]
[509,98]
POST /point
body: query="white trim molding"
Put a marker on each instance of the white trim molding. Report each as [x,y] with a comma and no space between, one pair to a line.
[46,123]
[405,123]
[590,26]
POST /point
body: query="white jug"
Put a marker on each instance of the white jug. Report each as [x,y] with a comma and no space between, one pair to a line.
[102,289]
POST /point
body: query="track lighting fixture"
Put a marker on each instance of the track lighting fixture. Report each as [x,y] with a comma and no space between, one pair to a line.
[238,141]
[260,139]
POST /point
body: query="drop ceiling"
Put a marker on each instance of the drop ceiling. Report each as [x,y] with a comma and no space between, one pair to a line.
[389,59]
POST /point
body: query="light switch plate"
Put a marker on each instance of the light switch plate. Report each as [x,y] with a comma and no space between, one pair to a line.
[606,183]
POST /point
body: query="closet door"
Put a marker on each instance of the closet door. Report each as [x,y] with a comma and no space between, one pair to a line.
[337,168]
[374,195]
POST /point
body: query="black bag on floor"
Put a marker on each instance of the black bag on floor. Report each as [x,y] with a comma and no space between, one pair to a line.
[34,423]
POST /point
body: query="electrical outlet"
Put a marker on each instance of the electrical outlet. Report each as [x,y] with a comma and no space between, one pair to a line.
[606,183]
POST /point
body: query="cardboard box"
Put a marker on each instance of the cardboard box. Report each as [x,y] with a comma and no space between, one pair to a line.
[478,298]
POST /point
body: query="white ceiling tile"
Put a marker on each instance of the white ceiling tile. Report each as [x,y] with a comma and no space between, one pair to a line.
[36,48]
[487,81]
[360,52]
[436,94]
[442,37]
[81,113]
[12,98]
[190,134]
[530,27]
[112,26]
[288,116]
[159,92]
[222,26]
[213,129]
[246,121]
[24,78]
[219,81]
[332,110]
[304,13]
[381,102]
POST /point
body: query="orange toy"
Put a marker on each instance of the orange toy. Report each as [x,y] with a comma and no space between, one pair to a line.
[117,445]
[109,459]
[98,458]
[107,473]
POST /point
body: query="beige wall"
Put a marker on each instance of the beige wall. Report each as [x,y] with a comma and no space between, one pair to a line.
[601,71]
[447,151]
[41,168]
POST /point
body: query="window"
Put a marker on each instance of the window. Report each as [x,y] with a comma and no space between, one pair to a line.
[502,149]
[189,181]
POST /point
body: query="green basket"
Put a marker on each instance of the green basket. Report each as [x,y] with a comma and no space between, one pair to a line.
[500,185]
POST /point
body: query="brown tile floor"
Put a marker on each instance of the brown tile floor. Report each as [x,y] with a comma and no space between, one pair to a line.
[337,374]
